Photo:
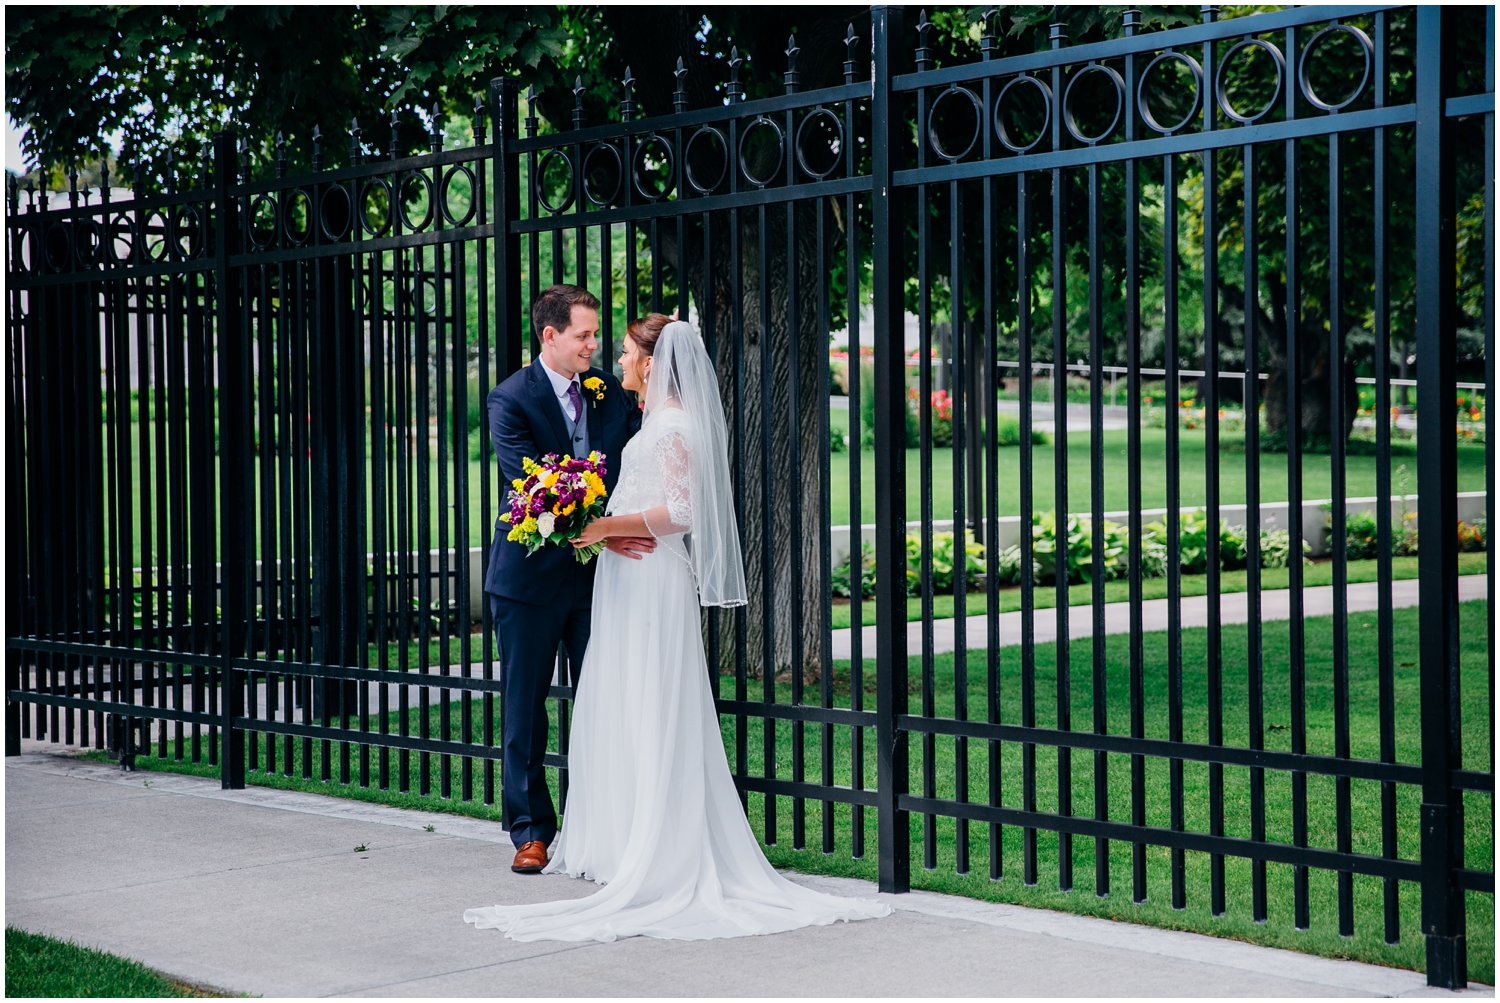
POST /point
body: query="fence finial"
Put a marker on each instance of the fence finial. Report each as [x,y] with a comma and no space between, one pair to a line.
[354,145]
[280,154]
[530,111]
[849,39]
[924,56]
[627,104]
[987,38]
[73,186]
[679,96]
[735,90]
[1058,34]
[1132,21]
[244,160]
[792,76]
[435,129]
[170,176]
[578,89]
[1209,12]
[395,134]
[317,156]
[479,130]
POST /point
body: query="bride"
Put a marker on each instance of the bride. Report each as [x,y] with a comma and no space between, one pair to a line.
[652,811]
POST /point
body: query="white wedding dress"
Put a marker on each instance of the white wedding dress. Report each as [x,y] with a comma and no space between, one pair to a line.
[652,810]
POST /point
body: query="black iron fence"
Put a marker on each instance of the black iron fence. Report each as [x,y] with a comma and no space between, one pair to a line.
[251,492]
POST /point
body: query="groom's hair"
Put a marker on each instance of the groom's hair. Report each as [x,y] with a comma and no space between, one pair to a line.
[554,307]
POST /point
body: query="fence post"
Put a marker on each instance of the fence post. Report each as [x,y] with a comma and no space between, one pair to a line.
[1442,805]
[889,310]
[234,402]
[506,182]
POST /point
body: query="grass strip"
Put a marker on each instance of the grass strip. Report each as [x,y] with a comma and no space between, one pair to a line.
[38,966]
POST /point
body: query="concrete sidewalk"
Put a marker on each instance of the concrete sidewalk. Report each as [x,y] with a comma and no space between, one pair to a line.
[258,891]
[1362,597]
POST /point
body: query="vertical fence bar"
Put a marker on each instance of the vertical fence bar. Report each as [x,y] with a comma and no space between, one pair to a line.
[1443,916]
[1250,402]
[1132,22]
[1025,383]
[989,403]
[234,461]
[1060,554]
[1211,473]
[1296,630]
[1385,625]
[1100,680]
[890,461]
[1338,539]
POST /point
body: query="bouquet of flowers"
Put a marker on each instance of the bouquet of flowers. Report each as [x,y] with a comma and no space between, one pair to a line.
[555,501]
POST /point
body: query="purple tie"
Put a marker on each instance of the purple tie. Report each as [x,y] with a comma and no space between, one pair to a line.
[576,399]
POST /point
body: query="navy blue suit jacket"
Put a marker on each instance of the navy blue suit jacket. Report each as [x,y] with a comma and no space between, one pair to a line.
[525,421]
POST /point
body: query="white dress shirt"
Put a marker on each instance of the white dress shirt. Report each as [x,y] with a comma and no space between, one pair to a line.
[560,384]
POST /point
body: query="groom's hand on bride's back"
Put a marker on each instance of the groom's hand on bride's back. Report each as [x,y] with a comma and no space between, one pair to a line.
[633,547]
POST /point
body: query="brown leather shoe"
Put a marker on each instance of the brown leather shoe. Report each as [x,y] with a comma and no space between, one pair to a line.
[530,858]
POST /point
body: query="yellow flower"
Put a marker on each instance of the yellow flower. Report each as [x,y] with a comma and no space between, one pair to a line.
[505,517]
[596,386]
[518,483]
[529,526]
[550,479]
[529,465]
[569,509]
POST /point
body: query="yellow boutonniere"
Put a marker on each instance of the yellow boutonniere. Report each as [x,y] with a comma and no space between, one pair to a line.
[595,386]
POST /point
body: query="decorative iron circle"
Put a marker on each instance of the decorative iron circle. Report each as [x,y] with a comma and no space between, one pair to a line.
[187,233]
[1223,99]
[1365,47]
[293,198]
[819,114]
[23,249]
[88,241]
[1067,108]
[1194,67]
[154,236]
[262,209]
[420,180]
[637,161]
[375,188]
[602,156]
[57,247]
[446,191]
[932,136]
[541,172]
[1003,134]
[335,212]
[758,122]
[715,136]
[121,231]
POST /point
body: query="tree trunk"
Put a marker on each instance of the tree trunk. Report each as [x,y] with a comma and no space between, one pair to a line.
[739,361]
[1315,385]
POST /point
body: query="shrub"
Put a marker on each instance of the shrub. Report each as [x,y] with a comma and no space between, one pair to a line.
[1276,549]
[1192,543]
[1079,546]
[942,562]
[840,575]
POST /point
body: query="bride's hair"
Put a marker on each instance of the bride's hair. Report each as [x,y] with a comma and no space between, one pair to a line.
[645,330]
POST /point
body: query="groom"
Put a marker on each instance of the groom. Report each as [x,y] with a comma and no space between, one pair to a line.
[558,404]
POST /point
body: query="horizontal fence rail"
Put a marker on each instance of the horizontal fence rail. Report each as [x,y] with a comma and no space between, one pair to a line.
[252,494]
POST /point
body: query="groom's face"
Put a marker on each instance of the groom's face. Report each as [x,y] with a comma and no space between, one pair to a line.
[572,350]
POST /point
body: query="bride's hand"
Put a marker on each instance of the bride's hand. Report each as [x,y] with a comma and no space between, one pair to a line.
[593,533]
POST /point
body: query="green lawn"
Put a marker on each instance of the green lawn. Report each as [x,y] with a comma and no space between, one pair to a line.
[1323,939]
[1320,573]
[37,966]
[1359,471]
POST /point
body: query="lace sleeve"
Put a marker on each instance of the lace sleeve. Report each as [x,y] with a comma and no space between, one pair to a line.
[674,459]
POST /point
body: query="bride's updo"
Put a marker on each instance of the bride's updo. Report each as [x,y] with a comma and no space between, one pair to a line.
[645,330]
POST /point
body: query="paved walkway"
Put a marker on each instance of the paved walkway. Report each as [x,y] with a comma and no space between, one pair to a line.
[258,891]
[1363,597]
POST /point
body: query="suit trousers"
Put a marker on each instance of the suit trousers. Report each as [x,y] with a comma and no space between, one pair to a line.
[527,636]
